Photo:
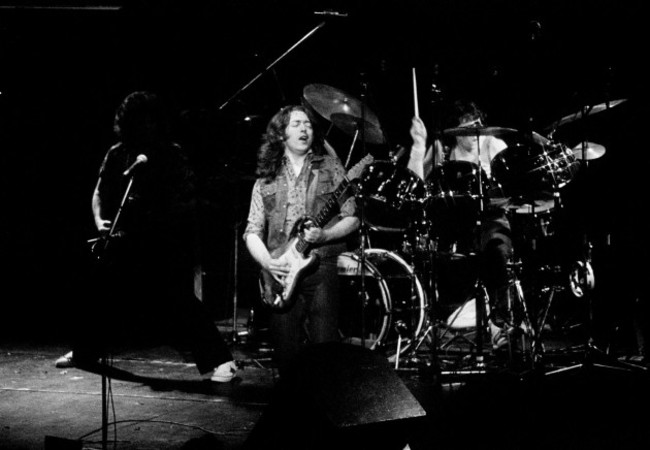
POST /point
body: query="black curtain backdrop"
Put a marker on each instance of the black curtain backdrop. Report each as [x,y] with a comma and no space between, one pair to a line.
[66,68]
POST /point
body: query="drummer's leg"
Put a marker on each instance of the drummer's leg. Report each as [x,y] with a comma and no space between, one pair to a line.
[496,251]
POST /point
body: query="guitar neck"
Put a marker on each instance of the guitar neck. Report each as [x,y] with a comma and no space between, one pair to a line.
[325,213]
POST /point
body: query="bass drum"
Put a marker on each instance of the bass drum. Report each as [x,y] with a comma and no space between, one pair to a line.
[395,300]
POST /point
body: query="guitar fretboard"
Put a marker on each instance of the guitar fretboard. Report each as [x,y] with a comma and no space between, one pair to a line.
[325,213]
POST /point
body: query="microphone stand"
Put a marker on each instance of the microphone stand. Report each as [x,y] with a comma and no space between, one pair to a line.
[270,66]
[363,294]
[104,360]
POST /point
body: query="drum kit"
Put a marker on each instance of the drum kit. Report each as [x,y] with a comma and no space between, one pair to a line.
[394,293]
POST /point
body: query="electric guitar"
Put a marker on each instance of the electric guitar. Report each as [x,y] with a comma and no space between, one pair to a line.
[278,292]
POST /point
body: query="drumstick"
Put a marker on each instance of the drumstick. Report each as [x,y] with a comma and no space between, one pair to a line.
[415,95]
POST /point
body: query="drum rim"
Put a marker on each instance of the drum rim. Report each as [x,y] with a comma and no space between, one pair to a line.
[388,299]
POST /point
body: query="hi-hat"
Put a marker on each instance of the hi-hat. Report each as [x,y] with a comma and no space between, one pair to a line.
[479,131]
[327,100]
[588,111]
[350,125]
[591,151]
[540,202]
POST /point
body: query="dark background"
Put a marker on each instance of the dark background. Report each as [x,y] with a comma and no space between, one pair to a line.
[65,68]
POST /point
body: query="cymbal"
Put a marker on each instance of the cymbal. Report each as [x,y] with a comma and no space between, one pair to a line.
[592,151]
[590,110]
[539,139]
[350,125]
[479,131]
[541,204]
[327,100]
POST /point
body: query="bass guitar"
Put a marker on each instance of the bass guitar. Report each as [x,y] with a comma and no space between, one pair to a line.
[296,253]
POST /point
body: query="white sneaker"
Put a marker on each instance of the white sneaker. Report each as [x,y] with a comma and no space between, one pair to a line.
[64,361]
[499,336]
[224,373]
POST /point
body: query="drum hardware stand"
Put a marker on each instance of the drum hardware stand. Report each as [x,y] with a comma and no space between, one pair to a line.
[481,300]
[363,293]
[429,332]
[535,343]
[582,283]
[480,306]
[400,328]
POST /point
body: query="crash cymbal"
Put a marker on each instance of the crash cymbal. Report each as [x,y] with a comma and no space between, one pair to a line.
[592,151]
[327,100]
[350,125]
[539,139]
[588,111]
[479,131]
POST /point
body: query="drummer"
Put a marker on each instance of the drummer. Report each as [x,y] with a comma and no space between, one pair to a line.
[489,237]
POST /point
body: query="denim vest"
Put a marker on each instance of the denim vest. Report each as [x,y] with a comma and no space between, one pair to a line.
[320,187]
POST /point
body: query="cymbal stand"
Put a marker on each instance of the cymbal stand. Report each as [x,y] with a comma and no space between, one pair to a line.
[363,293]
[582,282]
[481,313]
[431,331]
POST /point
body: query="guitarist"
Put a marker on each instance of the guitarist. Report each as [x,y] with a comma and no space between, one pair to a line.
[144,287]
[295,179]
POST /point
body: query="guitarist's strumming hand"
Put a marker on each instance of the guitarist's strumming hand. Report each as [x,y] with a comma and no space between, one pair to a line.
[277,267]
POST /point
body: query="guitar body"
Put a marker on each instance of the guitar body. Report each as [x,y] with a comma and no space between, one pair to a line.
[281,295]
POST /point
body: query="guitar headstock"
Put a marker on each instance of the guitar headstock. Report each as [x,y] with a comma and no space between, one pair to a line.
[357,169]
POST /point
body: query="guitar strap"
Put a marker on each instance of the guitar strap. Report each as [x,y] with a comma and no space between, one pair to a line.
[310,198]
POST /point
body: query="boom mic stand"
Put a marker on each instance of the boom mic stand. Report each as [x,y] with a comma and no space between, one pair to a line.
[270,66]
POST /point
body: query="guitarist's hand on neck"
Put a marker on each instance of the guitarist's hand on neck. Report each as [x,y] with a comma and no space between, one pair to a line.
[315,235]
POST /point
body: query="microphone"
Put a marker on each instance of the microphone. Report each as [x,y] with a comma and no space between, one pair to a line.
[139,160]
[331,13]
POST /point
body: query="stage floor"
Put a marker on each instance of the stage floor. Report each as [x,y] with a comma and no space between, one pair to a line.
[159,402]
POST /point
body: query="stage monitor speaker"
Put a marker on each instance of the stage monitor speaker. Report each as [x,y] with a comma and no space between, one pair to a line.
[338,396]
[59,443]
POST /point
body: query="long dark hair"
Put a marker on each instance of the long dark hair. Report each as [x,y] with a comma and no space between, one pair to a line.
[139,110]
[271,152]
